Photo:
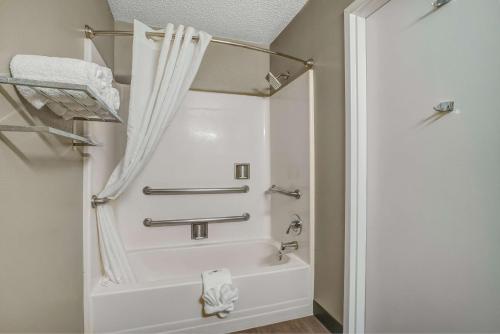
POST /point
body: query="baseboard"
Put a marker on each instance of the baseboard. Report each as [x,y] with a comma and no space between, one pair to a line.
[326,319]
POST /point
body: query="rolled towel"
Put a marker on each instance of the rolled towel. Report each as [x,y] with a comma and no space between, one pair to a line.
[106,75]
[64,70]
[112,98]
[219,294]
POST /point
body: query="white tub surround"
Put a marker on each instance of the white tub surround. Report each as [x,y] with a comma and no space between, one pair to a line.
[209,135]
[161,77]
[292,163]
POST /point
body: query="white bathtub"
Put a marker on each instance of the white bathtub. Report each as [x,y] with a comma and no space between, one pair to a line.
[167,295]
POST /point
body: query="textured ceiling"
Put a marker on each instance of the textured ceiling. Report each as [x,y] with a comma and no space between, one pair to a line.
[258,21]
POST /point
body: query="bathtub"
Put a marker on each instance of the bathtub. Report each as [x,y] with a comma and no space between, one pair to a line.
[166,297]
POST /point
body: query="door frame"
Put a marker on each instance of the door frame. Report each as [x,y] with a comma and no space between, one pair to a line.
[355,17]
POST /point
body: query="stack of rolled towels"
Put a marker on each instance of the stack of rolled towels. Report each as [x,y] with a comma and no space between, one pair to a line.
[65,70]
[219,294]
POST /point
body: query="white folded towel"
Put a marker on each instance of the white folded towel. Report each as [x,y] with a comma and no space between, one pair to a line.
[65,70]
[219,294]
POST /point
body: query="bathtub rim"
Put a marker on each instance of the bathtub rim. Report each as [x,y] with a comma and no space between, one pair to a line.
[296,264]
[198,244]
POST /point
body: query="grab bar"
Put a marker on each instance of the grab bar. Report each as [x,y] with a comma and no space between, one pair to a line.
[295,193]
[153,223]
[195,191]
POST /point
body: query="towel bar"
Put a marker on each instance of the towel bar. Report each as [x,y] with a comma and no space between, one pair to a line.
[148,222]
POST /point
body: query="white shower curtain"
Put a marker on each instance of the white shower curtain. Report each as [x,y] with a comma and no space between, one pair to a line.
[162,73]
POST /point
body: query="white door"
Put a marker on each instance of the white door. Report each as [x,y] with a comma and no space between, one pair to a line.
[433,193]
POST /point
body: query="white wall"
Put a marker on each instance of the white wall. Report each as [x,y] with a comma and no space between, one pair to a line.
[433,183]
[292,153]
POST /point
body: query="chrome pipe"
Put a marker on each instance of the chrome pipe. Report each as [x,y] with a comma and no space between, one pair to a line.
[295,193]
[195,191]
[91,34]
[148,222]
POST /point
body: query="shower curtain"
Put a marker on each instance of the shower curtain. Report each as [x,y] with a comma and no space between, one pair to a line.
[162,73]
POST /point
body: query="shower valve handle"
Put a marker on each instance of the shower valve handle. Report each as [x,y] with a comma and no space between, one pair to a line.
[296,226]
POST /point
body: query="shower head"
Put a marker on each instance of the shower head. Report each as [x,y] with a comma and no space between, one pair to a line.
[274,81]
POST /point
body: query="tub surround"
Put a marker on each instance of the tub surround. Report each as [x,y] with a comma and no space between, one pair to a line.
[210,134]
[292,163]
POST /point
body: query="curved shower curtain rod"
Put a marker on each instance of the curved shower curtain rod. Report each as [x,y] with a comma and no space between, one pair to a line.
[91,34]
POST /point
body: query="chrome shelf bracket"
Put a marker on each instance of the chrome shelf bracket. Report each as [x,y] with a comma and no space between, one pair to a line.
[77,140]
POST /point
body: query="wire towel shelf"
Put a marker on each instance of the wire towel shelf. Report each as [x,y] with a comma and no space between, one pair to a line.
[101,111]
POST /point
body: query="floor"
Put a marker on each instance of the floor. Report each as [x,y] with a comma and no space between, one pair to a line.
[305,325]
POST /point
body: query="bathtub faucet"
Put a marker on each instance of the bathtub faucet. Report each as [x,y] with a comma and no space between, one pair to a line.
[287,247]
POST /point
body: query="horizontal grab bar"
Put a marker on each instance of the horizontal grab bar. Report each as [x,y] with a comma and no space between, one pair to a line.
[295,193]
[195,191]
[152,223]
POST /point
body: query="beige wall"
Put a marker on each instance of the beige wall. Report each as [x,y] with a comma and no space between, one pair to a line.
[224,68]
[41,176]
[433,232]
[318,32]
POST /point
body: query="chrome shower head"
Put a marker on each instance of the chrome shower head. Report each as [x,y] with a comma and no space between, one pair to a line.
[274,81]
